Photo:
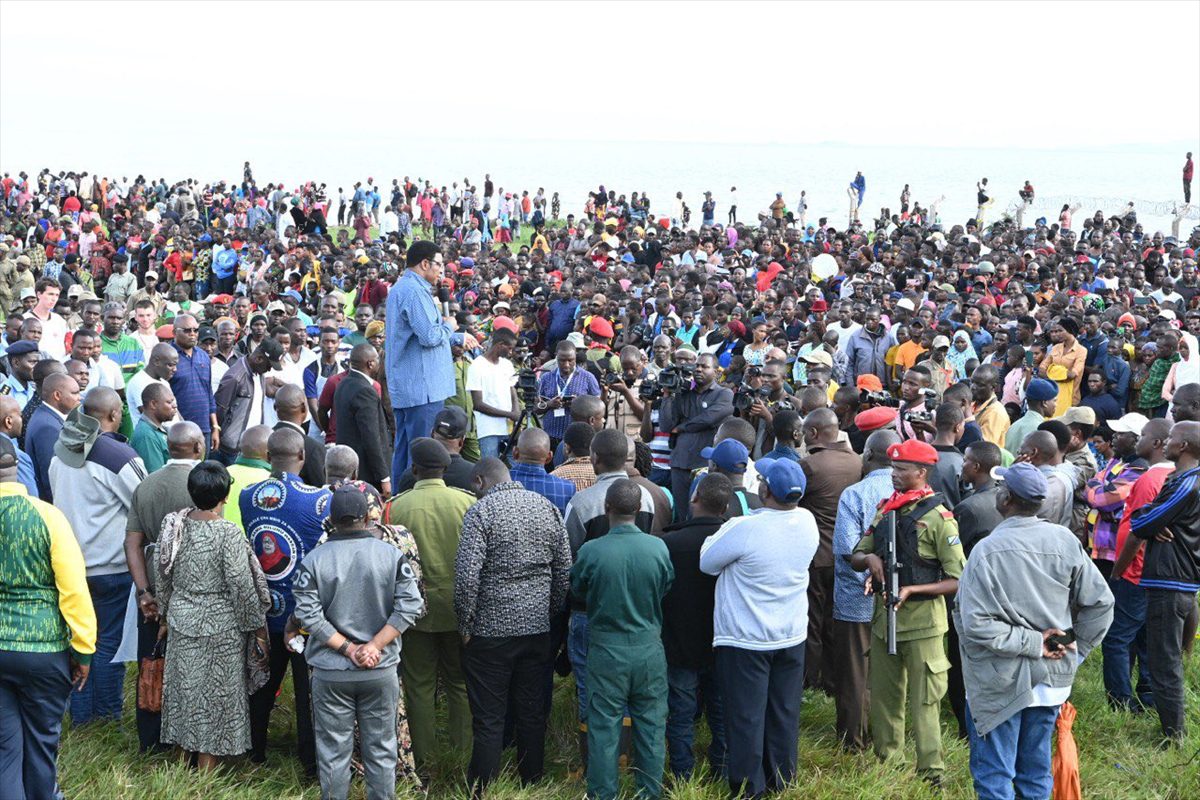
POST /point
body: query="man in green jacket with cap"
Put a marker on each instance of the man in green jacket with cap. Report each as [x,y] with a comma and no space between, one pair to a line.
[622,578]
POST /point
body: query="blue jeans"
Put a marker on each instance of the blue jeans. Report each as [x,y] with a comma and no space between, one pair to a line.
[1013,759]
[489,446]
[102,695]
[412,423]
[688,690]
[577,650]
[1125,641]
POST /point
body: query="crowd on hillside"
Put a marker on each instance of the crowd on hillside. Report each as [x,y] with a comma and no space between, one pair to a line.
[421,445]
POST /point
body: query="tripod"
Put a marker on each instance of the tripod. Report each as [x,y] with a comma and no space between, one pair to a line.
[527,419]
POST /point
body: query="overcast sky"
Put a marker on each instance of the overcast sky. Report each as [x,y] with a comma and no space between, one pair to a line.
[115,82]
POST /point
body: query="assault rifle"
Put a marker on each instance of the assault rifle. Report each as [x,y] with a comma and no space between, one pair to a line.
[885,533]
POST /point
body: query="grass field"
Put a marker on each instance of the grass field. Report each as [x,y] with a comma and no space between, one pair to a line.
[1118,756]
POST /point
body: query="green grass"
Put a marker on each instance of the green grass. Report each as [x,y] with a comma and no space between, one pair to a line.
[1118,756]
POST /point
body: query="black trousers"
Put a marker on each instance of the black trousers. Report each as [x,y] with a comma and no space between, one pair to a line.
[1165,614]
[506,672]
[262,701]
[149,723]
[819,662]
[955,689]
[761,691]
[34,688]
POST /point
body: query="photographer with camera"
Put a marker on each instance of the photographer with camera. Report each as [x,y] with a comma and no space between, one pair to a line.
[624,407]
[691,414]
[757,400]
[557,386]
[916,419]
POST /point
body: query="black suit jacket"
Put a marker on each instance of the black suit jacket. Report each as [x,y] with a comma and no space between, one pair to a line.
[362,425]
[313,472]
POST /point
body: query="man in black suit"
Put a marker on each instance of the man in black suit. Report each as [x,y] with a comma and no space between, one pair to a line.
[291,408]
[362,420]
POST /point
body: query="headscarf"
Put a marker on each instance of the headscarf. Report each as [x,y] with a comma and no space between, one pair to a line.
[374,502]
[958,359]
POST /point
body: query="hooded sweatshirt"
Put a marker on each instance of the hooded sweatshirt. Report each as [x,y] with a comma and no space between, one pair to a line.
[93,475]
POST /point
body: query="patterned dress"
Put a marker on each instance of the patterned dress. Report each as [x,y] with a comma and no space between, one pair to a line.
[210,602]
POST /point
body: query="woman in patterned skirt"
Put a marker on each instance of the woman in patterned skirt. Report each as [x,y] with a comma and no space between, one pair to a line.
[214,601]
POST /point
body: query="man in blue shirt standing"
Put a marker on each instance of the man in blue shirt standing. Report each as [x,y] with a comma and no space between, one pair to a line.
[562,319]
[192,381]
[284,519]
[420,367]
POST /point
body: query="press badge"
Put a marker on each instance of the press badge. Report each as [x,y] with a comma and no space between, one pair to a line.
[558,412]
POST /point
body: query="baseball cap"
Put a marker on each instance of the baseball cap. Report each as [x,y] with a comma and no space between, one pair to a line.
[273,350]
[348,504]
[939,342]
[820,356]
[207,333]
[1132,422]
[1023,480]
[730,455]
[784,478]
[1078,415]
[276,305]
[75,291]
[450,423]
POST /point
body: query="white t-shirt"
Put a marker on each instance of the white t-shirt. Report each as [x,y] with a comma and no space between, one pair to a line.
[494,382]
[844,334]
[147,341]
[54,336]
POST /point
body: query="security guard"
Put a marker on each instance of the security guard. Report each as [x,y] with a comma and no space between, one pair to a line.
[931,560]
[622,578]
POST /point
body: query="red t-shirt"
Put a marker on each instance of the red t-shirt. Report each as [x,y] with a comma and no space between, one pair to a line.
[1144,490]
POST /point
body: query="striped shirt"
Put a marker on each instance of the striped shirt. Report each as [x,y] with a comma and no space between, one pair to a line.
[126,351]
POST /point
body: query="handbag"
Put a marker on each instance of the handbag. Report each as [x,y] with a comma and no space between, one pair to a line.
[150,678]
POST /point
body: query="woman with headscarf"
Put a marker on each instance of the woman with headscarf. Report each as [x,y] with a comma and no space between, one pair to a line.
[961,351]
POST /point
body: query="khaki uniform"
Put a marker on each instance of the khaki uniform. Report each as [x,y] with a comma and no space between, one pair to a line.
[920,669]
[8,273]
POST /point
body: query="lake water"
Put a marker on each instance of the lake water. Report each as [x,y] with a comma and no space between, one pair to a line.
[1100,178]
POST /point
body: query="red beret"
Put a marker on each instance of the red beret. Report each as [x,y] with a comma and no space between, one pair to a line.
[913,451]
[599,326]
[875,418]
[503,323]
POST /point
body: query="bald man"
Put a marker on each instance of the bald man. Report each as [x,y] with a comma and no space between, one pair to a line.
[291,407]
[249,467]
[529,459]
[362,419]
[60,395]
[93,476]
[160,494]
[341,464]
[192,381]
[831,467]
[1040,448]
[11,426]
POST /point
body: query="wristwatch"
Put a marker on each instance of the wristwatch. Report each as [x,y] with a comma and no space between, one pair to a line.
[143,591]
[345,646]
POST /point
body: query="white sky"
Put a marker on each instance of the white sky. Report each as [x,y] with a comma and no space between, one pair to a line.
[99,82]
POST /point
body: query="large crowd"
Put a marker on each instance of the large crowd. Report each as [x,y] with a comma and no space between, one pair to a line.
[424,445]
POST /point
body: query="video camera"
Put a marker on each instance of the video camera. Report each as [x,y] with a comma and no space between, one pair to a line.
[609,377]
[676,378]
[925,416]
[880,398]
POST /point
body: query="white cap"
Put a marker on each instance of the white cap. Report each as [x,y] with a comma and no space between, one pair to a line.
[905,303]
[1130,423]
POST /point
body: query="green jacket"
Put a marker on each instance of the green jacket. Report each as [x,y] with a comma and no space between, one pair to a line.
[434,513]
[622,578]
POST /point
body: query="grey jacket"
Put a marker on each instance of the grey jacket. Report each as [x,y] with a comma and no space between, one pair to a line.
[1026,577]
[354,584]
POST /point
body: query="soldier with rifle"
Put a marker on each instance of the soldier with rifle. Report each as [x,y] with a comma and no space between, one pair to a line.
[910,613]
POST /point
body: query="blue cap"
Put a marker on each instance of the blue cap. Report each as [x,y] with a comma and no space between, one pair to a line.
[1041,389]
[22,347]
[1023,480]
[784,478]
[730,455]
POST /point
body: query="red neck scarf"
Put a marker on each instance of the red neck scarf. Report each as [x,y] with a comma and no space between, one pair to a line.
[900,499]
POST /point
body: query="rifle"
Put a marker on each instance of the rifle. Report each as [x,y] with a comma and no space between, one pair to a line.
[891,574]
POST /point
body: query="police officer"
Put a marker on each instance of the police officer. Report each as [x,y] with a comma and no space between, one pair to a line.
[622,577]
[932,560]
